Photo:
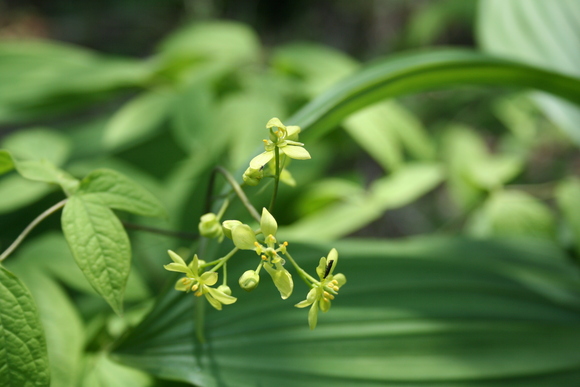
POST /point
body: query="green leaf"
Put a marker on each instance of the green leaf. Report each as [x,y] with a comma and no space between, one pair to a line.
[100,247]
[425,311]
[315,65]
[41,77]
[61,322]
[514,213]
[6,163]
[543,34]
[23,356]
[221,41]
[45,171]
[138,119]
[102,372]
[424,71]
[115,190]
[340,219]
[567,198]
[17,192]
[38,144]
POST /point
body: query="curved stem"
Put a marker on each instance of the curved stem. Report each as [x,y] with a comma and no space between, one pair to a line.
[276,179]
[238,190]
[31,226]
[303,274]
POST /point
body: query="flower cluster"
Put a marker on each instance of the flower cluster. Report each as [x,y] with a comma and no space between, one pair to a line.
[199,283]
[245,239]
[284,140]
[323,291]
[200,277]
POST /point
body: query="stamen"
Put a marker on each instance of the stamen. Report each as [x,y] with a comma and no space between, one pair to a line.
[265,141]
[328,295]
[256,244]
[264,257]
[285,244]
[195,287]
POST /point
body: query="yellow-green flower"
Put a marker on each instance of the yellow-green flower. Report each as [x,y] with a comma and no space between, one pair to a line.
[323,292]
[245,238]
[285,138]
[200,284]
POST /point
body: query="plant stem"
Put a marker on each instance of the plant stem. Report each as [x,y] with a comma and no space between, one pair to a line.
[238,190]
[225,258]
[304,275]
[154,230]
[31,226]
[276,179]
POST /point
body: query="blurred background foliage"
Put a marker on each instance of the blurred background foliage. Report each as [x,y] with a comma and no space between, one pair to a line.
[164,90]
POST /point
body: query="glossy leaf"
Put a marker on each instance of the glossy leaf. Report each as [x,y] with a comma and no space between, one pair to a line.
[426,312]
[115,190]
[23,356]
[6,163]
[17,192]
[424,71]
[102,372]
[543,34]
[100,247]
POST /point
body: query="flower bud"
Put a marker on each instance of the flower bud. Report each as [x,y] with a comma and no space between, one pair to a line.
[210,227]
[253,176]
[228,226]
[225,289]
[249,280]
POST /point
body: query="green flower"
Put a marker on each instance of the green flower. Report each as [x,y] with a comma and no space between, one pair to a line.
[200,284]
[245,238]
[210,227]
[285,138]
[323,292]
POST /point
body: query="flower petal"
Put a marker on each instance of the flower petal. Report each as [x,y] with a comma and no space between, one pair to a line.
[181,285]
[177,267]
[244,237]
[295,152]
[213,302]
[313,316]
[221,296]
[292,132]
[321,268]
[176,258]
[340,278]
[282,279]
[209,278]
[268,224]
[262,159]
[275,122]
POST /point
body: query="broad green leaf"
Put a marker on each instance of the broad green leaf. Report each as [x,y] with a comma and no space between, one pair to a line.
[514,213]
[44,171]
[424,71]
[51,255]
[38,144]
[325,192]
[62,324]
[192,119]
[543,34]
[17,192]
[230,42]
[6,163]
[338,220]
[102,372]
[370,128]
[100,247]
[115,190]
[139,118]
[425,311]
[23,356]
[40,77]
[316,66]
[568,198]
